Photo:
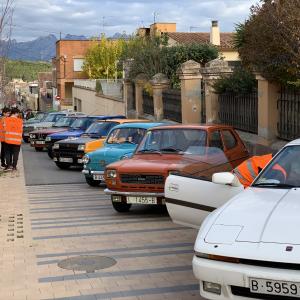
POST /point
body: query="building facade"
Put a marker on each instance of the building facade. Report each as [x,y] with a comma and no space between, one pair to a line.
[67,67]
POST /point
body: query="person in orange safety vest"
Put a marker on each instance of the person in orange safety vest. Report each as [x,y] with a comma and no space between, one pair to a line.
[13,139]
[248,170]
[5,114]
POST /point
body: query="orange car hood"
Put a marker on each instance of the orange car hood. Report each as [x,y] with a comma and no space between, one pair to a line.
[156,163]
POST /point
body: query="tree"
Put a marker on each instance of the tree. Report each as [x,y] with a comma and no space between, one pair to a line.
[101,60]
[269,41]
[151,55]
[6,14]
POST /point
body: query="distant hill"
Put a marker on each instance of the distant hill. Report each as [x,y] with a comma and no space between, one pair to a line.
[40,49]
[43,48]
[27,70]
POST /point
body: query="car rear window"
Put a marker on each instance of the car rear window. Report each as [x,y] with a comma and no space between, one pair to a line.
[229,139]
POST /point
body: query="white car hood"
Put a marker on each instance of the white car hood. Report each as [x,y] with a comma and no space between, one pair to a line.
[43,124]
[260,215]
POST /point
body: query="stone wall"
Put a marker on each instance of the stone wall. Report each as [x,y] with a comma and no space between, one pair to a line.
[96,104]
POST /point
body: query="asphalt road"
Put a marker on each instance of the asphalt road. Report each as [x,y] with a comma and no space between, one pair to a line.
[41,170]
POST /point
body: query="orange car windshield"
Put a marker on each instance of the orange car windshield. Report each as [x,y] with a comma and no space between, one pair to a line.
[179,141]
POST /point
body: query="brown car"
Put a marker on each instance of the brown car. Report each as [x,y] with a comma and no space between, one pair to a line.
[189,150]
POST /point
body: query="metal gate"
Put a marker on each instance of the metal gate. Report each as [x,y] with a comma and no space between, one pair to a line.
[239,111]
[288,107]
[172,105]
[148,105]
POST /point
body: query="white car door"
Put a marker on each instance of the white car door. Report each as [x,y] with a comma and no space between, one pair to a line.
[190,200]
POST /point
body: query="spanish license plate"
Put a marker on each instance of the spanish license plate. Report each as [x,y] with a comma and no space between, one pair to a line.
[275,287]
[66,159]
[40,142]
[141,200]
[98,177]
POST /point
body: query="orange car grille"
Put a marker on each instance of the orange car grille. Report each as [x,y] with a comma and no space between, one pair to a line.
[142,179]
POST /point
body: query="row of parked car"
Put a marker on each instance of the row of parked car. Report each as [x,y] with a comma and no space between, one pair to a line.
[247,246]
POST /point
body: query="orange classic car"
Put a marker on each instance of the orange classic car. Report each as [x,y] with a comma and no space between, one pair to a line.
[188,150]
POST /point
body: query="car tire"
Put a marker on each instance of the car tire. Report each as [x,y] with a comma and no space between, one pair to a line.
[50,154]
[62,166]
[26,139]
[38,149]
[121,207]
[92,182]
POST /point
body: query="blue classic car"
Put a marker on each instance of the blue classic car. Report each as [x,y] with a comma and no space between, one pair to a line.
[76,130]
[119,144]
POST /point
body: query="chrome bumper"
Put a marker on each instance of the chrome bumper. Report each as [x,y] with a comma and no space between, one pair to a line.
[88,172]
[141,194]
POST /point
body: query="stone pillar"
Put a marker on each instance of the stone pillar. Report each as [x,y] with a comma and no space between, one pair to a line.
[128,96]
[128,89]
[268,94]
[189,74]
[140,82]
[213,71]
[159,83]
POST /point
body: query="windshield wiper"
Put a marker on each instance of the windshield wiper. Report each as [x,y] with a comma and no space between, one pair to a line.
[149,151]
[273,185]
[128,142]
[171,149]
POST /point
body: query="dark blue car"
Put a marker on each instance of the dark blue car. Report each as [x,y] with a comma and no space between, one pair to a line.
[76,129]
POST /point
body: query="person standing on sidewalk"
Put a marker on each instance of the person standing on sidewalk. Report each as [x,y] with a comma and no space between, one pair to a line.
[13,139]
[5,114]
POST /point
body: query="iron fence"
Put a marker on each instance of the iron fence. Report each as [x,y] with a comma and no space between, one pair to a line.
[172,105]
[239,111]
[288,106]
[148,106]
[203,105]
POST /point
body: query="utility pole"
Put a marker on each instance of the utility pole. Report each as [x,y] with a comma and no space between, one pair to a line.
[155,15]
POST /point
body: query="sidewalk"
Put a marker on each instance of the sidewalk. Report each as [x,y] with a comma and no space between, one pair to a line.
[18,258]
[42,225]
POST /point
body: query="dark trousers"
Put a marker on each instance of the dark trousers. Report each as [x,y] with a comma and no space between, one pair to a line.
[3,164]
[12,155]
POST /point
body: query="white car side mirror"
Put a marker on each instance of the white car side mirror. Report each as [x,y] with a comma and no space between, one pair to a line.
[226,178]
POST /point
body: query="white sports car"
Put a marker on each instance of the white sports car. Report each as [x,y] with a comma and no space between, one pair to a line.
[249,248]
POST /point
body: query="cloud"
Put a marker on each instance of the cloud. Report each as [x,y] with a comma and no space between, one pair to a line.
[35,18]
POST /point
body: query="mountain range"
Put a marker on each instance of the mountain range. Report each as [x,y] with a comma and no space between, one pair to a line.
[40,49]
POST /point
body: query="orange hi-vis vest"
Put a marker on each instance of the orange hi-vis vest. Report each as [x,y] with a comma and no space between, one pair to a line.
[2,129]
[248,170]
[13,130]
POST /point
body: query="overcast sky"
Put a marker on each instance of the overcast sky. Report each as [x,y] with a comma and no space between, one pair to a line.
[34,18]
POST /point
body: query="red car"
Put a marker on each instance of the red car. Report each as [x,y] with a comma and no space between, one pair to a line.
[184,149]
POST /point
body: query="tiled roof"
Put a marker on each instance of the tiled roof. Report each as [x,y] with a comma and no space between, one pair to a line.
[201,37]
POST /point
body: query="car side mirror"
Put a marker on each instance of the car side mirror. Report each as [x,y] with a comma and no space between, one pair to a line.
[226,178]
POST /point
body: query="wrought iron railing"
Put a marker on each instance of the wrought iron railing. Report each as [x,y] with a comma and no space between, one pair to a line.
[239,111]
[289,113]
[172,105]
[148,105]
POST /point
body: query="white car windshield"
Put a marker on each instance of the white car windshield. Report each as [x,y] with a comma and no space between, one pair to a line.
[64,122]
[126,135]
[53,118]
[283,171]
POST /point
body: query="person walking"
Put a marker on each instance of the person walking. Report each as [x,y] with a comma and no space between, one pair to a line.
[13,127]
[5,114]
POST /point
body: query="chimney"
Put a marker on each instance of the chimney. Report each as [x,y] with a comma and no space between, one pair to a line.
[215,33]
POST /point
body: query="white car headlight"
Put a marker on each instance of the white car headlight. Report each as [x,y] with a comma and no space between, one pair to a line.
[111,173]
[81,148]
[32,136]
[48,139]
[85,159]
[56,146]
